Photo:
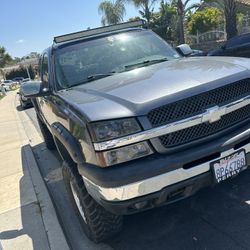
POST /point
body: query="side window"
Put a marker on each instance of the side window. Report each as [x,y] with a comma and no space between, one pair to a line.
[40,67]
[238,41]
[244,40]
[45,70]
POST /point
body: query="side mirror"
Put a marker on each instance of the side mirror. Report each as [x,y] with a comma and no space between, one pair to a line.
[184,49]
[34,89]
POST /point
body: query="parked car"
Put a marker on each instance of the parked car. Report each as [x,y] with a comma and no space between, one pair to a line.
[137,125]
[18,79]
[25,102]
[6,87]
[185,50]
[8,84]
[238,46]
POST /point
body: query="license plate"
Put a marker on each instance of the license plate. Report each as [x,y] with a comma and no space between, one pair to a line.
[229,166]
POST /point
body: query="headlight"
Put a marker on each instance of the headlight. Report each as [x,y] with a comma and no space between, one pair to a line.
[124,154]
[106,130]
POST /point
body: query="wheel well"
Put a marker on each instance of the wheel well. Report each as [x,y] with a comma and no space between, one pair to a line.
[64,153]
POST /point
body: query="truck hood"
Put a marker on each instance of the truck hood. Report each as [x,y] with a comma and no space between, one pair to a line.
[136,92]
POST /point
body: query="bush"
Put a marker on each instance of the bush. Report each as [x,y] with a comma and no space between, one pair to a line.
[204,20]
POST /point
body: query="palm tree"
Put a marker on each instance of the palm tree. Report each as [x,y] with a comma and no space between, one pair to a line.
[147,7]
[112,11]
[229,8]
[182,9]
[5,58]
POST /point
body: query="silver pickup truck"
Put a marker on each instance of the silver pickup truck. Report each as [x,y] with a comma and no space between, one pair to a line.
[137,125]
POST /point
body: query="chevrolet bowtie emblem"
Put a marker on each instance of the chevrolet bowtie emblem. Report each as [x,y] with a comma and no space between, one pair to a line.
[213,114]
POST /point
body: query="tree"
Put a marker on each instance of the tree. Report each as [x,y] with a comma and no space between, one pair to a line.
[133,19]
[182,10]
[164,21]
[112,12]
[147,8]
[5,58]
[21,71]
[229,8]
[204,20]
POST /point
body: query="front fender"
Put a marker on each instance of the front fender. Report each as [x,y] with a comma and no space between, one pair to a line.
[70,143]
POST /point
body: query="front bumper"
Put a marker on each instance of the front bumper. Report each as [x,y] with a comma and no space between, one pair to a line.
[158,181]
[154,184]
[165,196]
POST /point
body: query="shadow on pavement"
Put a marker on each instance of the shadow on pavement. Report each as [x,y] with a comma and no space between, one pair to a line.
[20,108]
[49,163]
[216,218]
[31,223]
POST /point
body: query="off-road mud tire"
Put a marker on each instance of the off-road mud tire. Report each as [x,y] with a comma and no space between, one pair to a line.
[99,224]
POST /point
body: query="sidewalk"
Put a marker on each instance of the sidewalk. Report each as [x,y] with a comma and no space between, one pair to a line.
[27,217]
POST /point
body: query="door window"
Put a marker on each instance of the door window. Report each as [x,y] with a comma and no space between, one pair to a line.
[45,71]
[238,41]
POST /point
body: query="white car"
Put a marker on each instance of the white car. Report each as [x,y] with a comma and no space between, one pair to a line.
[7,84]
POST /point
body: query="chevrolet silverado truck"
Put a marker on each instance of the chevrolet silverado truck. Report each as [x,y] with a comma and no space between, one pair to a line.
[137,125]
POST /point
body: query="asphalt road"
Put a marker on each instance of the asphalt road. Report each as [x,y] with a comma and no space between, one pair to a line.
[215,218]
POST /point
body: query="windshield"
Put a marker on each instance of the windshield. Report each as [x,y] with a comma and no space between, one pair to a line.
[94,59]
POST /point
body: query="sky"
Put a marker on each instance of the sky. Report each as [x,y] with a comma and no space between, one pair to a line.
[30,25]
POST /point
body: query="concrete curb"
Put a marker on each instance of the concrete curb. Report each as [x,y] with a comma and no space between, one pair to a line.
[52,226]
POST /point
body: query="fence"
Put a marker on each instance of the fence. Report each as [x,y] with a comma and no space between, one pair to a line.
[219,34]
[210,36]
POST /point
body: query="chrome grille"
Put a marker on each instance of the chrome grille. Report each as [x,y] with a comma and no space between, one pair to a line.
[205,129]
[198,104]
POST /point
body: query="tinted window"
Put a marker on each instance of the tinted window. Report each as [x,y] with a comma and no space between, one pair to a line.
[238,41]
[231,43]
[244,40]
[45,69]
[40,67]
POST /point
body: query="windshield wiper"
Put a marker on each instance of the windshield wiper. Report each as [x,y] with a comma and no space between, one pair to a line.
[91,78]
[145,63]
[98,76]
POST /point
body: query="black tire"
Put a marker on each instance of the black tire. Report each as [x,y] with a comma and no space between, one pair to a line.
[97,223]
[47,136]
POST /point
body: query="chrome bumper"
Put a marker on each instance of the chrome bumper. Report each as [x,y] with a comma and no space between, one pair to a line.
[153,184]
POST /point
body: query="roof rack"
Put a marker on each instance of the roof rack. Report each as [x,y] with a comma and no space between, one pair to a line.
[96,31]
